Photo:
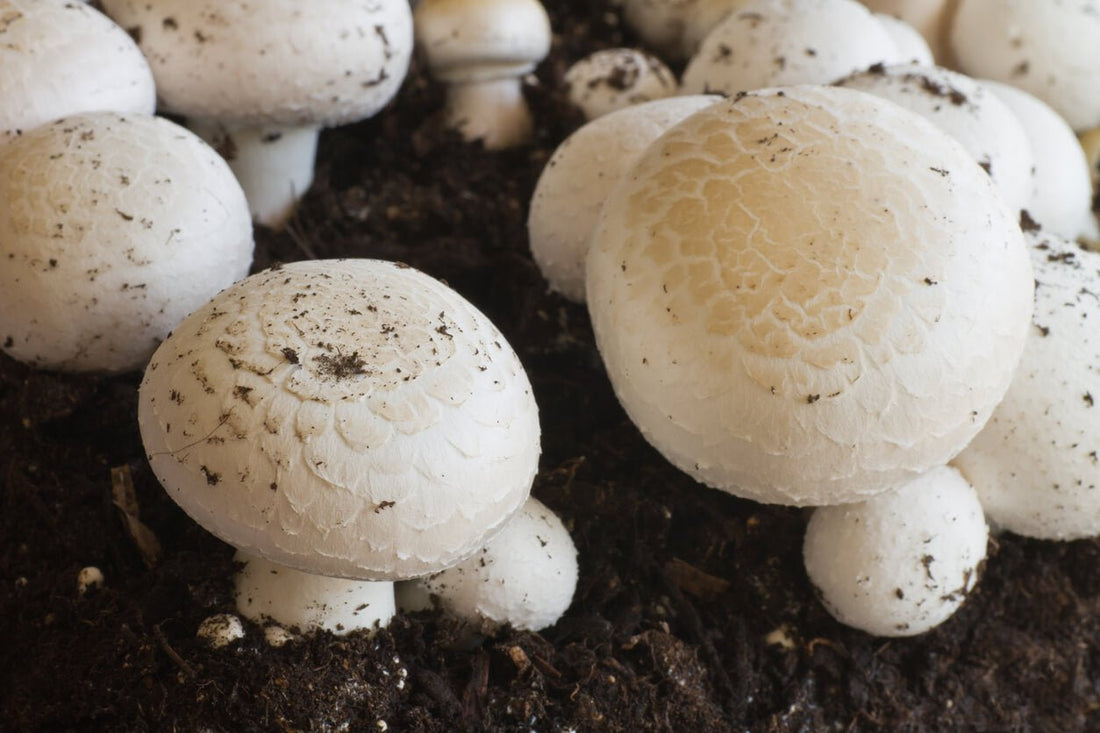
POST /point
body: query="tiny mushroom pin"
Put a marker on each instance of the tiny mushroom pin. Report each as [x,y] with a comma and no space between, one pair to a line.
[481,49]
[60,58]
[260,79]
[112,229]
[356,419]
[613,78]
[834,295]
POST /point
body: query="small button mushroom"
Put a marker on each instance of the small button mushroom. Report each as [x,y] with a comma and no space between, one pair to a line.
[580,175]
[930,18]
[259,80]
[900,563]
[112,229]
[765,43]
[660,24]
[88,579]
[702,17]
[1035,465]
[1045,48]
[355,419]
[912,47]
[481,49]
[524,577]
[614,78]
[61,58]
[1061,195]
[808,295]
[964,109]
[220,630]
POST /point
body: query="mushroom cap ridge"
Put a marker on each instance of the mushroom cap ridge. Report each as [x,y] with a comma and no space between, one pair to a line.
[353,418]
[808,295]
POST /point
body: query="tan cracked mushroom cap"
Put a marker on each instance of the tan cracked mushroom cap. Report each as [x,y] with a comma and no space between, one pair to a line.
[112,229]
[264,62]
[808,295]
[60,58]
[354,418]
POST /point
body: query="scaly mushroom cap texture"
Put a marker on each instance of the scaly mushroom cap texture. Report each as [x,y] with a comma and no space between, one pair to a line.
[112,229]
[808,295]
[282,62]
[353,418]
[60,58]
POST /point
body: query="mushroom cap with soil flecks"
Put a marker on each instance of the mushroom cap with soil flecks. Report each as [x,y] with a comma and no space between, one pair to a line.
[808,295]
[352,418]
[613,78]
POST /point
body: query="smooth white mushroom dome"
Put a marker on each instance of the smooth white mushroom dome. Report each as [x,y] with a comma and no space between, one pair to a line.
[964,109]
[613,78]
[60,58]
[765,43]
[902,562]
[911,44]
[282,62]
[1035,465]
[1047,48]
[931,18]
[808,295]
[525,576]
[660,23]
[580,175]
[112,229]
[354,418]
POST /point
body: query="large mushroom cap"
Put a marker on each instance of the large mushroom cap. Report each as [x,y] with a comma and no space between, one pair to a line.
[61,58]
[808,295]
[352,418]
[283,62]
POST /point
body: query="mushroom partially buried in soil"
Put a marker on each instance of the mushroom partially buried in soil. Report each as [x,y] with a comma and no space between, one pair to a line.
[808,295]
[112,229]
[355,418]
[59,58]
[260,79]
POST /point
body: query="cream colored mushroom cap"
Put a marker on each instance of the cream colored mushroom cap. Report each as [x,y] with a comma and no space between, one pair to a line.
[354,418]
[931,18]
[1035,464]
[279,62]
[613,78]
[60,58]
[808,295]
[1047,48]
[112,229]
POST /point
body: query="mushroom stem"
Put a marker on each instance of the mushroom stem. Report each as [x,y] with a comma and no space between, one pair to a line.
[492,110]
[274,164]
[292,598]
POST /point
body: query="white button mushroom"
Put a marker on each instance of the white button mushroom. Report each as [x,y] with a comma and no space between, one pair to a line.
[112,229]
[912,48]
[481,49]
[1035,465]
[902,562]
[702,17]
[766,43]
[808,295]
[61,58]
[525,576]
[660,23]
[613,78]
[1046,48]
[353,418]
[260,79]
[220,630]
[88,579]
[1061,196]
[931,18]
[580,175]
[965,110]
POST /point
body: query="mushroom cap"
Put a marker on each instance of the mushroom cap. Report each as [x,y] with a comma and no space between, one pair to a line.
[911,44]
[1035,463]
[61,58]
[112,229]
[964,109]
[808,295]
[660,23]
[1061,193]
[471,40]
[1046,48]
[613,78]
[525,576]
[930,18]
[902,562]
[580,175]
[353,418]
[281,62]
[765,43]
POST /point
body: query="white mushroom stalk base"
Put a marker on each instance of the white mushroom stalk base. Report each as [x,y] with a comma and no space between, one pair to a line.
[274,164]
[267,591]
[491,110]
